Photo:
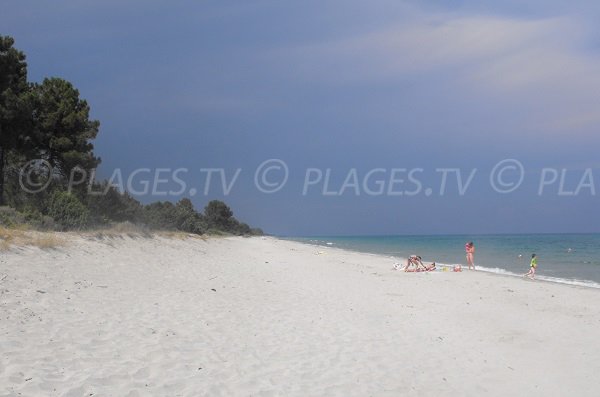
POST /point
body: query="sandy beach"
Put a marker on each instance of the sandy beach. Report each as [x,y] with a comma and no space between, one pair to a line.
[160,316]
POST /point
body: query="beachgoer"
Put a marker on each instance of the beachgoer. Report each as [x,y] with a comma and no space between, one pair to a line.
[470,250]
[416,261]
[532,266]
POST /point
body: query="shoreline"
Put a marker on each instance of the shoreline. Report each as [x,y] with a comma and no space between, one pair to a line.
[267,316]
[489,270]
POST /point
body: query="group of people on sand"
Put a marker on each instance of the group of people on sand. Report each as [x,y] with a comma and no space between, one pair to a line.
[414,263]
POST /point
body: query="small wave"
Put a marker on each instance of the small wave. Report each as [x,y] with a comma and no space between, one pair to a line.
[579,283]
[504,272]
[497,270]
[399,257]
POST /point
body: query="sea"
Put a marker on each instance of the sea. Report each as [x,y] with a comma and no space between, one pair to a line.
[562,258]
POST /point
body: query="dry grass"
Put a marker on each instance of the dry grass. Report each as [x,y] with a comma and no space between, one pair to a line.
[127,229]
[10,237]
[4,245]
[21,237]
[174,235]
[47,241]
[11,234]
[119,230]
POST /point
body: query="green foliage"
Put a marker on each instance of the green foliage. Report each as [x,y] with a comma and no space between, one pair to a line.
[218,215]
[20,199]
[168,216]
[13,107]
[49,121]
[160,215]
[13,84]
[38,220]
[243,229]
[63,130]
[9,217]
[111,205]
[188,220]
[66,210]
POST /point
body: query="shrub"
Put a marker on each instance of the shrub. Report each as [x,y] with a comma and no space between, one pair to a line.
[112,205]
[9,217]
[68,211]
[160,216]
[218,215]
[168,216]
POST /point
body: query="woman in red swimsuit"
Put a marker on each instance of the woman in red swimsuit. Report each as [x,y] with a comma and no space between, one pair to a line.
[470,250]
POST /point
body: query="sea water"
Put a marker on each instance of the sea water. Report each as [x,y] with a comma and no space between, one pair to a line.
[563,258]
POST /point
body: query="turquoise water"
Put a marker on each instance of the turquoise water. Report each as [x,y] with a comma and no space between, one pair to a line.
[566,258]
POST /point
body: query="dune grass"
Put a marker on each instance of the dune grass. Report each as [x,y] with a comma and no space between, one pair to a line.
[20,236]
[119,230]
[47,241]
[9,236]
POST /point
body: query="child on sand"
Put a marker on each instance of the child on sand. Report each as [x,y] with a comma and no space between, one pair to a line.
[533,265]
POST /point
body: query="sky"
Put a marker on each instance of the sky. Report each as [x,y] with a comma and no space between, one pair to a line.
[339,117]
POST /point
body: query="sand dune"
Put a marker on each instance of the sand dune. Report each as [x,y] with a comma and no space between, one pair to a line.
[266,317]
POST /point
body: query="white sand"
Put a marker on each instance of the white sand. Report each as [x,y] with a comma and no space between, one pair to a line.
[138,317]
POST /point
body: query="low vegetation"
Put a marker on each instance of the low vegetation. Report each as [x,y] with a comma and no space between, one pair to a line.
[10,237]
[46,136]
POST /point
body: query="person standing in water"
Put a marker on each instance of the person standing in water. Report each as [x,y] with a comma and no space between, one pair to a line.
[470,250]
[532,266]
